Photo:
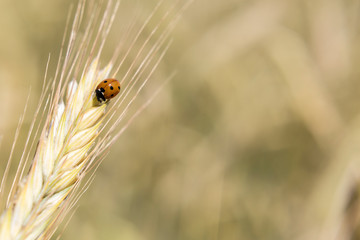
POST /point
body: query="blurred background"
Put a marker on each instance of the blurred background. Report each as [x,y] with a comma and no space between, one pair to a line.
[256,137]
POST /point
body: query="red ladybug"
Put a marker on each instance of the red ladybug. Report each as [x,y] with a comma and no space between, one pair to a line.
[107,89]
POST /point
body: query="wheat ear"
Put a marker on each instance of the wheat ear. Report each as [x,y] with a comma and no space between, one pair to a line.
[68,148]
[60,158]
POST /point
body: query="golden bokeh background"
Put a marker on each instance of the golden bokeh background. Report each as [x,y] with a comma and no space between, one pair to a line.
[256,137]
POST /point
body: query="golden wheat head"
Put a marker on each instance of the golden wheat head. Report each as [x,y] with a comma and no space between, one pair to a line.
[69,144]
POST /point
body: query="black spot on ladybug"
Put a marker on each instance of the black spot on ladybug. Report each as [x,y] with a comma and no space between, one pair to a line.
[119,88]
[112,95]
[105,81]
[111,87]
[102,89]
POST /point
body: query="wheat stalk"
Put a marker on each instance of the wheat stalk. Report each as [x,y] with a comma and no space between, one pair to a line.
[69,145]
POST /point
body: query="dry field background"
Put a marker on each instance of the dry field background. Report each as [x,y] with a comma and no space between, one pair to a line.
[256,137]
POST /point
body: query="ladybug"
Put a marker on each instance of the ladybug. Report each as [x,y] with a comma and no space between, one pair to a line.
[107,89]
